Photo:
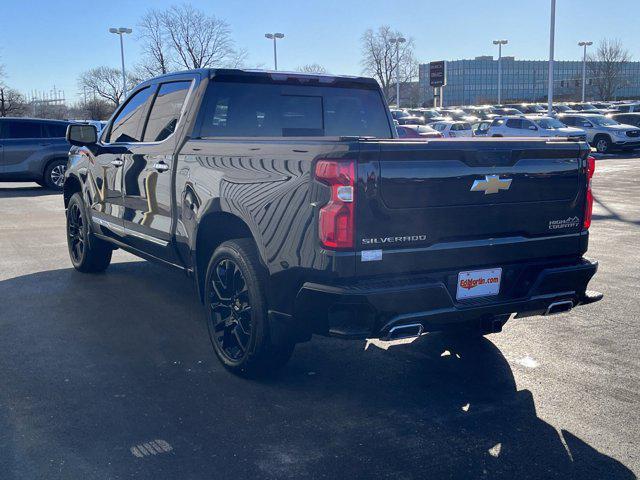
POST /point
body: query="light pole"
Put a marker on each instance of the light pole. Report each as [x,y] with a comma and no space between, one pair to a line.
[121,31]
[274,37]
[397,41]
[584,66]
[552,33]
[500,43]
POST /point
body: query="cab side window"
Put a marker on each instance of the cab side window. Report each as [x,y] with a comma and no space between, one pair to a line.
[165,111]
[127,126]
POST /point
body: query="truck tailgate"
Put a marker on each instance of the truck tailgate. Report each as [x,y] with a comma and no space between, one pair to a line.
[465,203]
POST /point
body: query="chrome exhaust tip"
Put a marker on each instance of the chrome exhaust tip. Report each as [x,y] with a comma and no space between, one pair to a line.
[411,330]
[559,307]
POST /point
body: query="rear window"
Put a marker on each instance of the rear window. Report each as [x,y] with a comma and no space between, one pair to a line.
[21,129]
[273,110]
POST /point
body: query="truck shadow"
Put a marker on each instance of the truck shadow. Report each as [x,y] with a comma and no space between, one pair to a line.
[24,190]
[611,214]
[96,364]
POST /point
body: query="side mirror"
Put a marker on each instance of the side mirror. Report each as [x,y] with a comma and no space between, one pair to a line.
[82,134]
[533,127]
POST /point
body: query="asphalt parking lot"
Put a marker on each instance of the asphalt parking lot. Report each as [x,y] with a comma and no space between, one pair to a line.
[112,376]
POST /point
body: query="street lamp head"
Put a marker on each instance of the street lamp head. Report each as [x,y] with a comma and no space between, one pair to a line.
[500,42]
[268,35]
[120,30]
[278,35]
[401,39]
[585,44]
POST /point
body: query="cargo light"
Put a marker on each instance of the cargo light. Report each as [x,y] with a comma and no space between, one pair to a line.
[588,208]
[336,219]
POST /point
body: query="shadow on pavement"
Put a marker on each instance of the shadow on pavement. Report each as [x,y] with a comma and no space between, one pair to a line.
[611,214]
[94,365]
[25,190]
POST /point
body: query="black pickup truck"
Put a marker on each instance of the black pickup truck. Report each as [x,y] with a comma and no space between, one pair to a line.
[290,201]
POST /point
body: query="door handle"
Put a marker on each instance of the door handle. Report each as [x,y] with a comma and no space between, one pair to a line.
[161,166]
[117,162]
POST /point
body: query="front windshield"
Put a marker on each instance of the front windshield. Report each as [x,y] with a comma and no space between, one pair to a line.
[588,106]
[549,123]
[603,121]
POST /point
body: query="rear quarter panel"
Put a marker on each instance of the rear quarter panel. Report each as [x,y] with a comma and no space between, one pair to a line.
[268,185]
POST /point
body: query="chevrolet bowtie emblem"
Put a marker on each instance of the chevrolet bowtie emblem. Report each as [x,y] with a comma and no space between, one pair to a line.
[491,184]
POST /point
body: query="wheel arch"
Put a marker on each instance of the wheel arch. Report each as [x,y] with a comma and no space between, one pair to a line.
[71,185]
[50,160]
[602,135]
[213,229]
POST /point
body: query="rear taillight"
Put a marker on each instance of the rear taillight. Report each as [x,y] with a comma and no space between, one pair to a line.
[588,208]
[336,223]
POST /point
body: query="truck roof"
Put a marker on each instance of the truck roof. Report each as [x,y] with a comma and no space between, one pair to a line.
[277,75]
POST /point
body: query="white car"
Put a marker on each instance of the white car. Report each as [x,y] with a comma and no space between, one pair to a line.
[453,129]
[627,107]
[605,134]
[533,126]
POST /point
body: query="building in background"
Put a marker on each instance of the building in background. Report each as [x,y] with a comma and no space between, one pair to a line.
[476,81]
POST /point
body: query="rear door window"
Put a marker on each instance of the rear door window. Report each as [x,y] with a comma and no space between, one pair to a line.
[127,126]
[165,111]
[21,129]
[277,110]
[514,123]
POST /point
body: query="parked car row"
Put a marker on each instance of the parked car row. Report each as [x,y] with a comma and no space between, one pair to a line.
[35,150]
[605,125]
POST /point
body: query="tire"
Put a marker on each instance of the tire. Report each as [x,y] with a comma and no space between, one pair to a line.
[88,254]
[602,144]
[236,311]
[53,177]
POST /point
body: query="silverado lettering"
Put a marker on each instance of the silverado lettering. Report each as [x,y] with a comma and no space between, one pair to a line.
[383,240]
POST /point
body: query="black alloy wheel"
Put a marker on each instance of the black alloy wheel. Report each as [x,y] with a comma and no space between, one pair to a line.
[229,310]
[76,232]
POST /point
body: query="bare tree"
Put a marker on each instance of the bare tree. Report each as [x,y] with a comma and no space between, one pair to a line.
[312,68]
[606,68]
[93,109]
[106,83]
[183,37]
[379,58]
[12,102]
[198,40]
[155,45]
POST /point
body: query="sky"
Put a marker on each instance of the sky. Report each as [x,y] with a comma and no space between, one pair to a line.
[49,43]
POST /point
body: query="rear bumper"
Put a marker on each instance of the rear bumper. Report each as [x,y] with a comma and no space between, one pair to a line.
[370,309]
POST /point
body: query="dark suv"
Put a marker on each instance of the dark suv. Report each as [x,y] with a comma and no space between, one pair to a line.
[33,150]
